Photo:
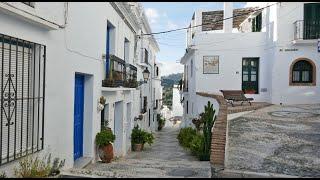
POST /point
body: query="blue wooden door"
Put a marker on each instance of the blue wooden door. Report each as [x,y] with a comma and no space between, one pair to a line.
[78,116]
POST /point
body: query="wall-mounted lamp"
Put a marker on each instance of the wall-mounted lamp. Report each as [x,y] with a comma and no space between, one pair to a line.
[146,74]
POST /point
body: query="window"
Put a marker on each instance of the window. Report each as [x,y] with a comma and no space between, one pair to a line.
[31,4]
[145,103]
[157,71]
[187,107]
[257,23]
[157,104]
[191,67]
[126,50]
[146,56]
[110,45]
[22,72]
[149,118]
[185,78]
[311,23]
[303,72]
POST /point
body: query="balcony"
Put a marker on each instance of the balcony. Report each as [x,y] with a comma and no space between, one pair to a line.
[306,31]
[119,75]
[131,79]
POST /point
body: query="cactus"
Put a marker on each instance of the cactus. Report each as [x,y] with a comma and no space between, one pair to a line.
[209,119]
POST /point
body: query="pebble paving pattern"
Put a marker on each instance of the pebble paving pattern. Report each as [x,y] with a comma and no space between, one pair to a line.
[276,139]
[165,158]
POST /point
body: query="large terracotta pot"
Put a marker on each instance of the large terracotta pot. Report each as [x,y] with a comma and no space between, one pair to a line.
[137,147]
[106,153]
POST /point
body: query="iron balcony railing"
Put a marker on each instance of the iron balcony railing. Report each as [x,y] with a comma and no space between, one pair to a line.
[131,79]
[306,29]
[132,72]
[120,74]
[117,72]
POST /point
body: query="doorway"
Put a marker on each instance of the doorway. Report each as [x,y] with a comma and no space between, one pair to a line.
[118,128]
[250,75]
[78,116]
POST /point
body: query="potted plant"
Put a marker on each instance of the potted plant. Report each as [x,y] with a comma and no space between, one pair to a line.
[249,91]
[147,138]
[137,138]
[133,83]
[161,122]
[108,83]
[103,141]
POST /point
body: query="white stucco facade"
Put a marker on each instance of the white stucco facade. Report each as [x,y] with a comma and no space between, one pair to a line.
[177,108]
[276,46]
[75,38]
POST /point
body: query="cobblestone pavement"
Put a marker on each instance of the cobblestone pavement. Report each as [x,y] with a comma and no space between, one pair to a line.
[276,139]
[165,158]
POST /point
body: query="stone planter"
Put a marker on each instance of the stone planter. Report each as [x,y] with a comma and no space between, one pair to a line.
[106,153]
[137,147]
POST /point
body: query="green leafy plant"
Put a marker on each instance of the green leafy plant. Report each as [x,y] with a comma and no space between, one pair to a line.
[209,119]
[34,167]
[137,135]
[185,136]
[161,121]
[3,175]
[197,144]
[108,83]
[105,137]
[148,138]
[198,122]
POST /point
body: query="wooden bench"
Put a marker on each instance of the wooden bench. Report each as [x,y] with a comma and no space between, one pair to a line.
[232,96]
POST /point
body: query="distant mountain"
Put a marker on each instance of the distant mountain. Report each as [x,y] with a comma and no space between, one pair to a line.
[171,79]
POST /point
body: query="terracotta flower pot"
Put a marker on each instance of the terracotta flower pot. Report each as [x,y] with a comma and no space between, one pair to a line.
[250,91]
[137,147]
[106,153]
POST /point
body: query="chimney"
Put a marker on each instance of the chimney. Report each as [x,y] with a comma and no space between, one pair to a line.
[227,12]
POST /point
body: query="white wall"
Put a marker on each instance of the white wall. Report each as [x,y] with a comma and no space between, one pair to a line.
[230,49]
[177,108]
[85,33]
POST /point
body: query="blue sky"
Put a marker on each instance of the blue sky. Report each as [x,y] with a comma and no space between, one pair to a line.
[164,16]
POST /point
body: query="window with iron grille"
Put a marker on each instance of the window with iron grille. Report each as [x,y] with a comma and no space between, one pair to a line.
[22,70]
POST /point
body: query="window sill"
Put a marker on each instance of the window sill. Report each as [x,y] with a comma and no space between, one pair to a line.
[302,84]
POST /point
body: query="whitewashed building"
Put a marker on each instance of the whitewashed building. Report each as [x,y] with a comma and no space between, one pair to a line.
[177,108]
[272,51]
[146,50]
[56,60]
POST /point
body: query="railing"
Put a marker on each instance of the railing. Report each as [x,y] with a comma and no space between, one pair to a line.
[132,72]
[131,79]
[120,74]
[306,29]
[117,74]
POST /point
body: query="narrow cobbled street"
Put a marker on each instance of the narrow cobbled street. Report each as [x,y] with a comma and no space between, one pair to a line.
[164,158]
